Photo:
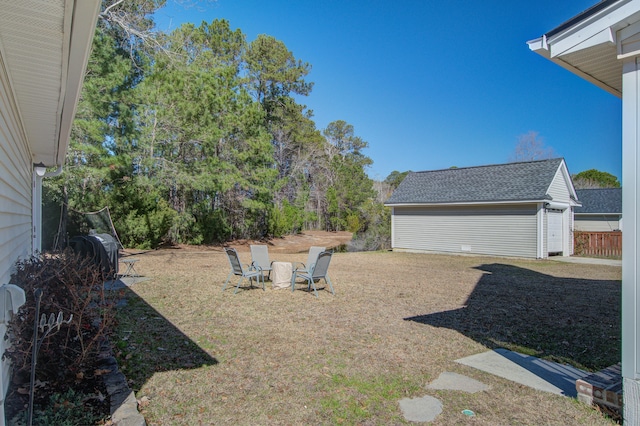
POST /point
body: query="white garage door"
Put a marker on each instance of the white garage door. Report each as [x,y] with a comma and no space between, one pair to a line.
[554,231]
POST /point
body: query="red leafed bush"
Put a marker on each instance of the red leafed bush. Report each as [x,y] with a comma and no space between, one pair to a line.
[73,286]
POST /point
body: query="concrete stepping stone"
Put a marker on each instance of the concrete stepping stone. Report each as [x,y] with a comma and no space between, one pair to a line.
[454,381]
[424,409]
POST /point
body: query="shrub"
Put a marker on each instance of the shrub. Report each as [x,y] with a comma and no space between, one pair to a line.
[71,285]
[146,229]
[64,409]
[376,232]
[285,220]
[212,227]
[354,223]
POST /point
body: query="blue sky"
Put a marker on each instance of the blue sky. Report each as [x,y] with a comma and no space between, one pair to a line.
[431,84]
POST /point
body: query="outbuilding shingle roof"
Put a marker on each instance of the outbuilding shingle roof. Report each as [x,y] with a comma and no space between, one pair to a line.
[525,181]
[600,201]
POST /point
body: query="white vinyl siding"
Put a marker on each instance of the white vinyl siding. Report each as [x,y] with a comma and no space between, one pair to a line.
[509,230]
[559,188]
[15,184]
[15,208]
[597,223]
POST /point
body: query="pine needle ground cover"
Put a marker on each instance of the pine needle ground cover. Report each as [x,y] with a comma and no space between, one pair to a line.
[197,355]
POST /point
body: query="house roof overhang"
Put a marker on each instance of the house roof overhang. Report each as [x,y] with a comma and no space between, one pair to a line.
[44,49]
[595,43]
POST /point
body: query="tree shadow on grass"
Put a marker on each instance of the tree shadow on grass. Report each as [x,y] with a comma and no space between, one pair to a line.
[567,320]
[147,343]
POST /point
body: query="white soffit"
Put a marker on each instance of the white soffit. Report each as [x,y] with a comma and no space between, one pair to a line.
[590,62]
[31,33]
[43,50]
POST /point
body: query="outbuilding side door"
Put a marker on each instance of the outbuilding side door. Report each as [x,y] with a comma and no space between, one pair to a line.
[554,231]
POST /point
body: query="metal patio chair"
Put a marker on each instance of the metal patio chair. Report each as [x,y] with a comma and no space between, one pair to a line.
[238,269]
[317,271]
[312,258]
[260,258]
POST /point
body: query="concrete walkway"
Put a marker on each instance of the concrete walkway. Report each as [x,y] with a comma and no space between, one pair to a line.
[586,260]
[527,370]
[123,282]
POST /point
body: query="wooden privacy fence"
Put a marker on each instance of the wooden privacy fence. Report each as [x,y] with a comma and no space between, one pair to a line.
[601,244]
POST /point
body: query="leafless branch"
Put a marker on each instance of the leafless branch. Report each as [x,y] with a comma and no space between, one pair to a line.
[531,147]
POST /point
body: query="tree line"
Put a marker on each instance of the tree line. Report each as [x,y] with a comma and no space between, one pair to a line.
[196,136]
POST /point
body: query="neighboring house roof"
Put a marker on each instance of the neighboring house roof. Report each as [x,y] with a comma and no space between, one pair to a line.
[44,49]
[600,201]
[528,181]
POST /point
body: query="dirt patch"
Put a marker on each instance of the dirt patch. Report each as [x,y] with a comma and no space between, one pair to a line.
[298,243]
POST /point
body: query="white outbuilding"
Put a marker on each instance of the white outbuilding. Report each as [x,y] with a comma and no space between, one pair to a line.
[517,209]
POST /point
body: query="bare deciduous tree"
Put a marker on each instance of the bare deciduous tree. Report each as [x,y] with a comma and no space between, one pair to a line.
[531,147]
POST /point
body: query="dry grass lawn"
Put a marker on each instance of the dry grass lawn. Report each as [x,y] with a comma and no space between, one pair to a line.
[197,355]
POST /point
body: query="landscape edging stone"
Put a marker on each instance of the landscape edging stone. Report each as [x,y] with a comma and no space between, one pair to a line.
[124,406]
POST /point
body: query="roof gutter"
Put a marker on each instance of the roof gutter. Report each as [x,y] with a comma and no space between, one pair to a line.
[80,21]
[540,46]
[466,203]
[599,214]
